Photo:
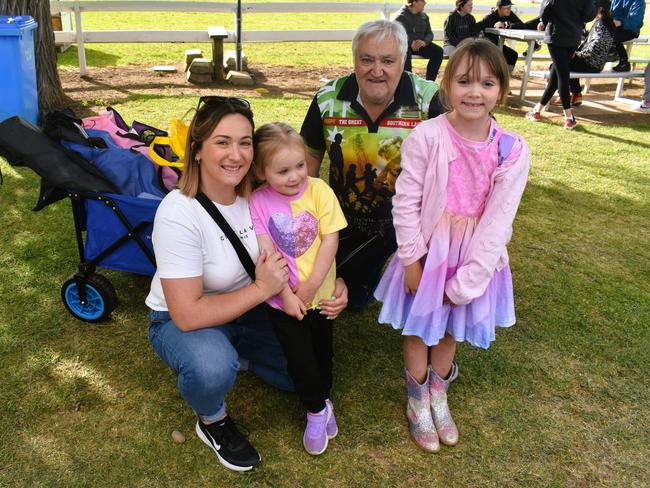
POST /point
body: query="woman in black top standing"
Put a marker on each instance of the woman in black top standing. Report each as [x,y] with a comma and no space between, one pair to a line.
[592,54]
[562,21]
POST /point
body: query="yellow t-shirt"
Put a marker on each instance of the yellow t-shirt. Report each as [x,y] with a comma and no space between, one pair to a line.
[296,225]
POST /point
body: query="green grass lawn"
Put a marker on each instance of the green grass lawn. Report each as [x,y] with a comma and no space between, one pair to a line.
[561,399]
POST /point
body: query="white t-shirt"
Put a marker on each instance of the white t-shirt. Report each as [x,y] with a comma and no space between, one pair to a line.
[188,243]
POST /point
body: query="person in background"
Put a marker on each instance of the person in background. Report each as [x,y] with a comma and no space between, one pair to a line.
[459,25]
[628,19]
[501,17]
[360,121]
[562,21]
[591,56]
[420,37]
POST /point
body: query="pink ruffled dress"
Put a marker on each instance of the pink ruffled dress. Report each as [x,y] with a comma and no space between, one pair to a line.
[423,314]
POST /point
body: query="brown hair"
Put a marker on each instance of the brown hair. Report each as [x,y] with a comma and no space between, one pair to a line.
[475,50]
[270,138]
[461,3]
[207,117]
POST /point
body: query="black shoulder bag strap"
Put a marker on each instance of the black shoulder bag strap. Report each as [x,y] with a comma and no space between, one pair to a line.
[244,257]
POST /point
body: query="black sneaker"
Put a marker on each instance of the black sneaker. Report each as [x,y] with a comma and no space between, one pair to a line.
[231,447]
[622,66]
[537,47]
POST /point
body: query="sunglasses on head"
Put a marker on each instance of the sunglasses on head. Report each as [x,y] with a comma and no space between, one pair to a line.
[216,100]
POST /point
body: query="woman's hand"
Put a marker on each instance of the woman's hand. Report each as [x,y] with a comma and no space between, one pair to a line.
[541,26]
[271,273]
[332,308]
[412,277]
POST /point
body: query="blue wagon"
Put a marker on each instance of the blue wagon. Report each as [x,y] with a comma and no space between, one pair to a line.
[118,236]
[114,193]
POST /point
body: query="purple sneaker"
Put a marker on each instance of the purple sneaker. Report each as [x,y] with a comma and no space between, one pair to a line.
[315,438]
[332,428]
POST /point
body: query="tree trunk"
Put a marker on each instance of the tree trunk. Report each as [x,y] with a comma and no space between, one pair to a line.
[50,92]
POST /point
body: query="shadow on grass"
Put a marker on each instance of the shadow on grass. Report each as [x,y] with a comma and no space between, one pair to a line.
[94,57]
[602,134]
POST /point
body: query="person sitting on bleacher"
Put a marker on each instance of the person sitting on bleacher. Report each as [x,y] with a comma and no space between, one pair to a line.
[459,25]
[502,17]
[591,56]
[420,37]
[628,19]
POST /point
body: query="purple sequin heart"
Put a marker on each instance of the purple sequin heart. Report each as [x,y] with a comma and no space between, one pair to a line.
[293,235]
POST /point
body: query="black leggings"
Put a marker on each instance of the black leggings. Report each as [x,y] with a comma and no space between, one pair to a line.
[579,65]
[559,79]
[307,344]
[620,36]
[510,55]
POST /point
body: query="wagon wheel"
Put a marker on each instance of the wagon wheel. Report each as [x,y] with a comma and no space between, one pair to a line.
[101,298]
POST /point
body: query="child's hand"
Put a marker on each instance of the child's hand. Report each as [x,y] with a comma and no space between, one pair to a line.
[412,277]
[306,291]
[294,306]
[446,300]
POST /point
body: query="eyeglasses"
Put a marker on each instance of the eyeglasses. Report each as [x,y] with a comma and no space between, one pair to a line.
[216,100]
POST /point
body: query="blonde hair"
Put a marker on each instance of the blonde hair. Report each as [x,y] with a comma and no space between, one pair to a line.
[203,124]
[475,50]
[268,140]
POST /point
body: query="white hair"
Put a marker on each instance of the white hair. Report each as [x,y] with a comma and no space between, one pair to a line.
[381,30]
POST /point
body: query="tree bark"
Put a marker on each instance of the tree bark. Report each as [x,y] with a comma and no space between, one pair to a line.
[50,91]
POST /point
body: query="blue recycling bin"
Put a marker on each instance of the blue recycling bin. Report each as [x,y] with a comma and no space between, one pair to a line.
[18,95]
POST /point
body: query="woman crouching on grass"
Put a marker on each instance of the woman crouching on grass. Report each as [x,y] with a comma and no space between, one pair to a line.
[208,320]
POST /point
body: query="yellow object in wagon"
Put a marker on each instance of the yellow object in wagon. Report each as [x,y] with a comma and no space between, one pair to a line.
[176,141]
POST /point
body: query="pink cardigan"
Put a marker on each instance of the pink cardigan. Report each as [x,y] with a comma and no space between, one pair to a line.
[421,196]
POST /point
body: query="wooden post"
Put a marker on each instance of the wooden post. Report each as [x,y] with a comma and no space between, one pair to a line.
[81,52]
[217,34]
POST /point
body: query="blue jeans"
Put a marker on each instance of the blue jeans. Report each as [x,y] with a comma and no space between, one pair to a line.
[207,360]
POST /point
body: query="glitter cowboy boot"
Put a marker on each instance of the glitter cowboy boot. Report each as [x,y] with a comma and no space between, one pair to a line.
[418,413]
[445,426]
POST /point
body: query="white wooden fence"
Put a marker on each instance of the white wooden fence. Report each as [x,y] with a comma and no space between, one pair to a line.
[81,37]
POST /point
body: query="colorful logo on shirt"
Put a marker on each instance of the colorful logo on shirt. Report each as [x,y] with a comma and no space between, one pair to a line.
[293,235]
[364,165]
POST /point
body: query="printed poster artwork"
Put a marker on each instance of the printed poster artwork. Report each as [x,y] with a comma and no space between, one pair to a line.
[364,166]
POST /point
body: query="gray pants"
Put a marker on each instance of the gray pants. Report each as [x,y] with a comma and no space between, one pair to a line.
[646,91]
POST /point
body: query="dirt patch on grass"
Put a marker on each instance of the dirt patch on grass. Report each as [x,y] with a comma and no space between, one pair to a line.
[112,85]
[106,86]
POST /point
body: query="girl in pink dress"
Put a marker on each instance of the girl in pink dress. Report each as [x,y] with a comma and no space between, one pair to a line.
[456,198]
